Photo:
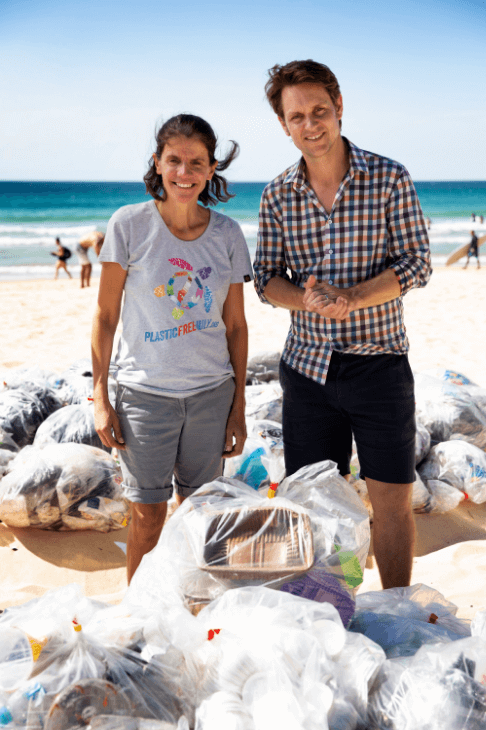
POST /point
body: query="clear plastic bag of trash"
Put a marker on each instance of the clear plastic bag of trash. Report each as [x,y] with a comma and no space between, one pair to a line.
[341,530]
[264,402]
[71,424]
[82,678]
[448,376]
[73,672]
[459,464]
[446,409]
[476,392]
[23,409]
[62,487]
[273,649]
[445,498]
[312,539]
[225,535]
[355,670]
[420,602]
[400,620]
[263,367]
[262,462]
[440,688]
[248,467]
[33,376]
[74,388]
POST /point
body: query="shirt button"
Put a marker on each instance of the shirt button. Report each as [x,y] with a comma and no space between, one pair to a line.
[329,220]
[330,281]
[330,339]
[330,250]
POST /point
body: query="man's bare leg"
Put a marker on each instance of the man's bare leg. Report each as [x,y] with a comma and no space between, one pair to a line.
[144,531]
[393,531]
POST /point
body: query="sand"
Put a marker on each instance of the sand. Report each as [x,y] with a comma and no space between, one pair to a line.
[47,323]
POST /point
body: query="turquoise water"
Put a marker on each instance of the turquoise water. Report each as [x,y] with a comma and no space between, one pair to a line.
[32,214]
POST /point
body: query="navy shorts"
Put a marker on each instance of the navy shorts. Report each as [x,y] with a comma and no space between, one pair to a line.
[368,396]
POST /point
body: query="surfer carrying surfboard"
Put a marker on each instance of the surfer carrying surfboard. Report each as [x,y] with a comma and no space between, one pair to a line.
[341,239]
[473,251]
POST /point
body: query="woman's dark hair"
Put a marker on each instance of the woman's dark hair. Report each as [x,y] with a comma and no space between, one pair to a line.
[188,125]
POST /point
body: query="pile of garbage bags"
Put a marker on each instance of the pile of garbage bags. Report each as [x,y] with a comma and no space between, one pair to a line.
[55,473]
[253,658]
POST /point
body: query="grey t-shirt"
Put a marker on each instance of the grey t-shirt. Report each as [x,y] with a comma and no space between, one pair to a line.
[174,339]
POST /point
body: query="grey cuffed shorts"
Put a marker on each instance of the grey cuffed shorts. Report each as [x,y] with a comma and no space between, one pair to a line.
[166,437]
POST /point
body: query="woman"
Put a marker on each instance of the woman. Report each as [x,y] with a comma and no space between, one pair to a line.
[181,359]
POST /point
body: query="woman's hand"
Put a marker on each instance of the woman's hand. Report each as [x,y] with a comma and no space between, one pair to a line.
[107,423]
[235,432]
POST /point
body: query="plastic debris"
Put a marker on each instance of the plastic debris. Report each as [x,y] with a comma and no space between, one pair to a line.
[264,402]
[23,409]
[71,424]
[440,688]
[446,409]
[263,367]
[460,465]
[62,487]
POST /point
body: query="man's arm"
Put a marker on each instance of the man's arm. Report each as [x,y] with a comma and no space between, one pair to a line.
[282,293]
[334,303]
[269,265]
[408,253]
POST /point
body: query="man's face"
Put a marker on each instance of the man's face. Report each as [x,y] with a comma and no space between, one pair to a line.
[311,119]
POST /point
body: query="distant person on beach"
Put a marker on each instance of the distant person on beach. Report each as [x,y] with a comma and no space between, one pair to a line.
[429,223]
[481,219]
[92,240]
[63,254]
[181,360]
[473,217]
[341,240]
[473,251]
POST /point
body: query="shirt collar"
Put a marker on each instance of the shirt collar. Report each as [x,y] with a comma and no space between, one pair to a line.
[296,173]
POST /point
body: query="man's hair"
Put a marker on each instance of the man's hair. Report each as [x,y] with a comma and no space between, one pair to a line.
[299,72]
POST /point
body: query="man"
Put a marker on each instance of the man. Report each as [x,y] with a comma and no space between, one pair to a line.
[341,239]
[473,251]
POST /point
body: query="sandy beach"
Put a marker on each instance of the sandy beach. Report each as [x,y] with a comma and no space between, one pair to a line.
[47,323]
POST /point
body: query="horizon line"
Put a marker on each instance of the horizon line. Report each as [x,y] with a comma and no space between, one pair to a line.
[230,182]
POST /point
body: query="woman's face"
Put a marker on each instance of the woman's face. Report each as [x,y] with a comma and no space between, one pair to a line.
[185,169]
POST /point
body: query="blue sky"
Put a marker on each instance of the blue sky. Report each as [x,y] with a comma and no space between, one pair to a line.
[84,83]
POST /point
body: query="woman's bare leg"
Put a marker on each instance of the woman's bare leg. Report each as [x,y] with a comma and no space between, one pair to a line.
[144,531]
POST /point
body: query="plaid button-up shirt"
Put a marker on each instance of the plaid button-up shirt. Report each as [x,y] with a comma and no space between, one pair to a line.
[375,223]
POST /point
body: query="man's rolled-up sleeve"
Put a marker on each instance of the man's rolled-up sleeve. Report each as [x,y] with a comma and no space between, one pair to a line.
[408,242]
[270,257]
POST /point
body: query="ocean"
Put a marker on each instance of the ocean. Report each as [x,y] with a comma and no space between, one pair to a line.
[32,214]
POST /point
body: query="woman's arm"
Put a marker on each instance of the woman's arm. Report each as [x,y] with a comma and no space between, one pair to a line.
[105,321]
[237,337]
